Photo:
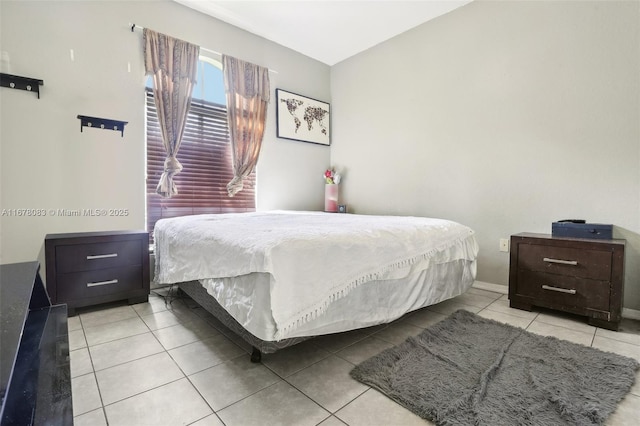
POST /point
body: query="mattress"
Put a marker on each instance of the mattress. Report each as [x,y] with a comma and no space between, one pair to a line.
[291,274]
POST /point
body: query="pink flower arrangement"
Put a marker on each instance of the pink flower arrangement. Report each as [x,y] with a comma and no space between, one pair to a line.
[331,177]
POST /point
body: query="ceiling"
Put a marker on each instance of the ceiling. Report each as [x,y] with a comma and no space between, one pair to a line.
[328,31]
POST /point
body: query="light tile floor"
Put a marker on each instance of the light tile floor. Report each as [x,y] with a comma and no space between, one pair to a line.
[174,364]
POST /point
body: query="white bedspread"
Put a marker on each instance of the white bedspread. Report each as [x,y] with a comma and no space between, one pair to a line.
[313,258]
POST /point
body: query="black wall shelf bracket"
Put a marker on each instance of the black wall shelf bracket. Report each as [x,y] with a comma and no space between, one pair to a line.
[102,123]
[22,83]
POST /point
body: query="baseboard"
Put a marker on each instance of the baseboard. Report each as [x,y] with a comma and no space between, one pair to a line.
[496,288]
[631,313]
[503,289]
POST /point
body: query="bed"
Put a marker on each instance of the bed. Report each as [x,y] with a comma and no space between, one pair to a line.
[279,277]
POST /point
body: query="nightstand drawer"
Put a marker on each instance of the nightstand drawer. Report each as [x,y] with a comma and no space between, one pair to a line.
[88,284]
[93,256]
[583,263]
[564,290]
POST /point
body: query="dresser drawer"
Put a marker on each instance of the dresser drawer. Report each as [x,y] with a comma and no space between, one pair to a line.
[564,290]
[87,284]
[93,256]
[592,264]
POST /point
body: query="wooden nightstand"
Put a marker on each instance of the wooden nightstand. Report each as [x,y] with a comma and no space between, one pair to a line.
[89,268]
[580,276]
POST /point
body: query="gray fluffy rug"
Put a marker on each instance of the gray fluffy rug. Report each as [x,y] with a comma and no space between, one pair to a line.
[468,370]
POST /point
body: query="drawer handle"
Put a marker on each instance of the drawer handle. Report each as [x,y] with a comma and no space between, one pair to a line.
[561,290]
[101,256]
[560,261]
[102,283]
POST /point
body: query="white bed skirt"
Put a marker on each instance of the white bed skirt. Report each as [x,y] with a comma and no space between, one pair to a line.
[247,299]
[309,259]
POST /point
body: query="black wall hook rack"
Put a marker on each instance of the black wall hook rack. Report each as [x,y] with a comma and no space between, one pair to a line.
[22,83]
[102,123]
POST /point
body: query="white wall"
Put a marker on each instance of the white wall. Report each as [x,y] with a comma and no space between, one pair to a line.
[504,116]
[47,163]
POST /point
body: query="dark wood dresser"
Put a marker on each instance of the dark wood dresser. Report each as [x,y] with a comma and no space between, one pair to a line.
[580,276]
[90,268]
[35,377]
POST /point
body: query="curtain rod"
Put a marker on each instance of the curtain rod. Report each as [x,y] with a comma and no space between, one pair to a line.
[139,28]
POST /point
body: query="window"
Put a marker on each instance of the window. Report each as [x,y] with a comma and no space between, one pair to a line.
[205,155]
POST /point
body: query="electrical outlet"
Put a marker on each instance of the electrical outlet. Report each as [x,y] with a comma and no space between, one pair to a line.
[504,244]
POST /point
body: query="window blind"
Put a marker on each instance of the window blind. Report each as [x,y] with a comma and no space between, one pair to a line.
[205,155]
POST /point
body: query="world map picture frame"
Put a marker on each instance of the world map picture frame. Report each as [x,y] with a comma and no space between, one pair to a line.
[301,118]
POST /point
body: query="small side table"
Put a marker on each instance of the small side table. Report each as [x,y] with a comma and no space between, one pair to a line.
[576,275]
[89,268]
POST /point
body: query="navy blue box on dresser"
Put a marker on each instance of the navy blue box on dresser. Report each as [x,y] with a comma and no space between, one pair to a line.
[598,231]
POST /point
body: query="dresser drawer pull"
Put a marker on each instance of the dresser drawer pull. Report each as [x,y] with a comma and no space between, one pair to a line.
[561,290]
[102,283]
[562,262]
[101,256]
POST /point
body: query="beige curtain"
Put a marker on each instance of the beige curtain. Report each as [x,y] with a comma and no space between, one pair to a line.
[173,64]
[247,89]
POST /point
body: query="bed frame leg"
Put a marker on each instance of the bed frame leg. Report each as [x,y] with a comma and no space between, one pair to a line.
[256,355]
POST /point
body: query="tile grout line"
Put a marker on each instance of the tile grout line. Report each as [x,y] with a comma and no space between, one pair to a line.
[93,368]
[94,372]
[187,377]
[282,377]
